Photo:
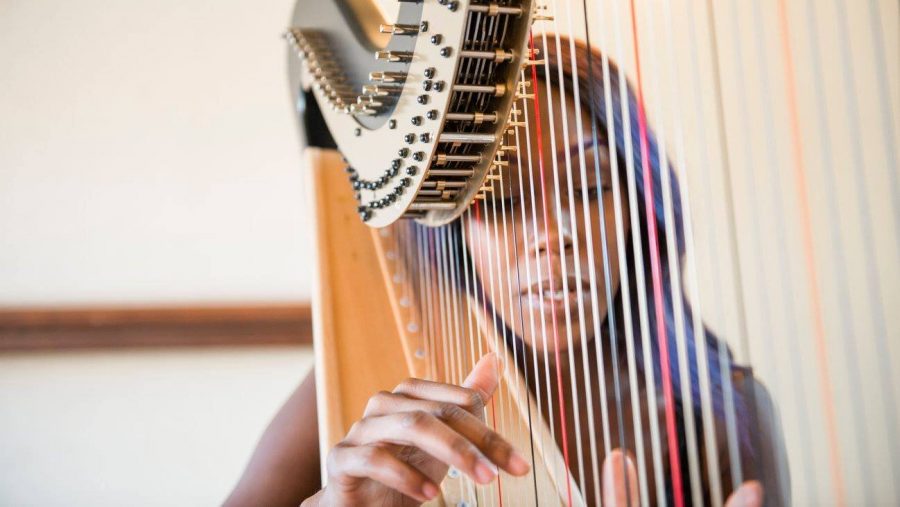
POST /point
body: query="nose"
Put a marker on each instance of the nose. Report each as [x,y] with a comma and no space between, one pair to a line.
[554,235]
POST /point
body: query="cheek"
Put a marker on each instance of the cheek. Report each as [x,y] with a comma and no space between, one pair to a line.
[612,235]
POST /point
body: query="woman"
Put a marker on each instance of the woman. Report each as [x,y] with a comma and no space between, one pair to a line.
[554,256]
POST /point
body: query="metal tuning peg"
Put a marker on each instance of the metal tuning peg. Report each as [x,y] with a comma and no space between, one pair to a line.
[394,56]
[399,29]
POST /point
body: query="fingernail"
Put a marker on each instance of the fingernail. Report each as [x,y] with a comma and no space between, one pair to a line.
[518,465]
[748,495]
[429,490]
[629,464]
[484,472]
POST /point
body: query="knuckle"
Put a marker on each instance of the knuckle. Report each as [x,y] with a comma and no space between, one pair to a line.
[493,441]
[464,448]
[371,456]
[449,411]
[415,419]
[333,459]
[407,385]
[474,400]
[377,401]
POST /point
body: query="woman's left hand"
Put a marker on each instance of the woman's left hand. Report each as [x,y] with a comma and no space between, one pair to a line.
[750,494]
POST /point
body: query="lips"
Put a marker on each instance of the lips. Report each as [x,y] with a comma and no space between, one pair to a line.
[552,292]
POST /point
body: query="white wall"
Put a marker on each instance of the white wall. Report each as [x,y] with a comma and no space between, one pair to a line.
[136,428]
[148,152]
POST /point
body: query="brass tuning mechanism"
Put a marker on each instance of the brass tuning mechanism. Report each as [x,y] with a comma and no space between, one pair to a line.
[399,29]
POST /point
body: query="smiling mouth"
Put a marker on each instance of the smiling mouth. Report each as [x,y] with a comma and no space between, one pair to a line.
[553,292]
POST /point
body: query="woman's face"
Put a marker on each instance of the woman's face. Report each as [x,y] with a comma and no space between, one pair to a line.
[534,270]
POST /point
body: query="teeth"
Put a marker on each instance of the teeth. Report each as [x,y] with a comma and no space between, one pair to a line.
[555,295]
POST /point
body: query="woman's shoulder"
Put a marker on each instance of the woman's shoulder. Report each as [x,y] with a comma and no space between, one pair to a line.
[769,463]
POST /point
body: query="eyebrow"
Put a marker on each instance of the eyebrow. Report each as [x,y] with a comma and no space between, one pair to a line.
[586,144]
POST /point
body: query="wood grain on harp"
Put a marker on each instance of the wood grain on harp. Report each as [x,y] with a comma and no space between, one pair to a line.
[637,213]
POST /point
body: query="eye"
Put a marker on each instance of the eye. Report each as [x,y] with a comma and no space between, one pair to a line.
[511,203]
[591,192]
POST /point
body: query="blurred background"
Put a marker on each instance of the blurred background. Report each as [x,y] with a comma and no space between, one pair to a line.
[154,268]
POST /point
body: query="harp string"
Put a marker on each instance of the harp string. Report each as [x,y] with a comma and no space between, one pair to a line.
[608,290]
[592,275]
[729,409]
[872,280]
[515,304]
[750,162]
[425,303]
[477,296]
[700,343]
[656,272]
[799,171]
[624,289]
[498,301]
[468,295]
[524,395]
[443,311]
[496,309]
[514,301]
[455,284]
[784,271]
[565,226]
[453,300]
[844,315]
[457,353]
[440,297]
[532,199]
[637,248]
[439,251]
[455,266]
[674,268]
[559,380]
[889,134]
[493,399]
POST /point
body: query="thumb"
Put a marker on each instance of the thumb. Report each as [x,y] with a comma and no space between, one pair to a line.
[484,376]
[750,494]
[620,487]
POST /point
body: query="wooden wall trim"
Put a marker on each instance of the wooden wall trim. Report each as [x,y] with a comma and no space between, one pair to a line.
[156,326]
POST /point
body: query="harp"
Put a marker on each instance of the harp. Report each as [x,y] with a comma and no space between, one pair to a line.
[676,222]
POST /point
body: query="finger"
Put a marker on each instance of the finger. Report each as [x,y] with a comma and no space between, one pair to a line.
[485,376]
[348,464]
[423,430]
[620,487]
[474,393]
[489,442]
[750,494]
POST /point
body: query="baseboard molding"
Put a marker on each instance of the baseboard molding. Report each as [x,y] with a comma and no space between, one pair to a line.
[175,326]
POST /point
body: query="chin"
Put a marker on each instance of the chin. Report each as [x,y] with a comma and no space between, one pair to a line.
[560,338]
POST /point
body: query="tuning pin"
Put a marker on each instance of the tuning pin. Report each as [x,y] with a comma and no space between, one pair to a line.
[368,101]
[399,29]
[494,9]
[529,62]
[387,77]
[394,56]
[378,91]
[498,90]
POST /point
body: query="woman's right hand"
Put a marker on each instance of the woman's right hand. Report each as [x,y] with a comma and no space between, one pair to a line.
[399,452]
